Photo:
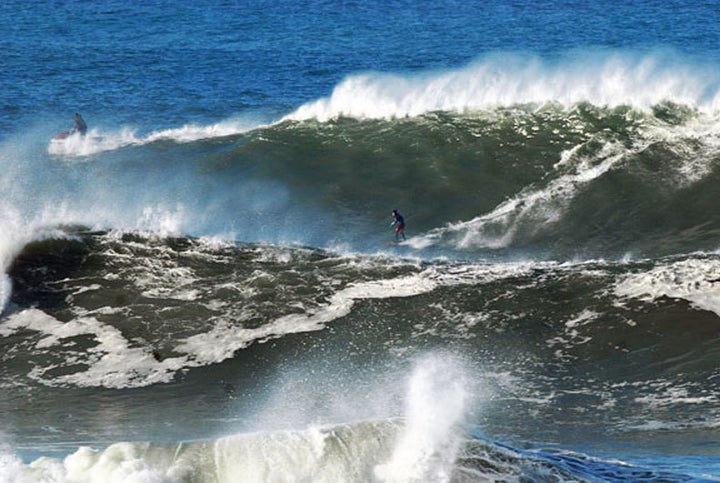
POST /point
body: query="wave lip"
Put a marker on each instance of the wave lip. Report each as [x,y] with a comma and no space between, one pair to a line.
[604,79]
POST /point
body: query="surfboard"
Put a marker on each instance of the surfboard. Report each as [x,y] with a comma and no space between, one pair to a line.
[61,136]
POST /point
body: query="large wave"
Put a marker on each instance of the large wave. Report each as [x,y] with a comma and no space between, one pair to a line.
[511,154]
[507,79]
[603,78]
[501,180]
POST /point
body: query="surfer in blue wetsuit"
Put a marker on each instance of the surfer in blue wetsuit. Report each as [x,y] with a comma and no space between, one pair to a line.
[399,224]
[80,125]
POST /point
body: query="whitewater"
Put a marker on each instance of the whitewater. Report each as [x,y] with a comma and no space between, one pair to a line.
[202,288]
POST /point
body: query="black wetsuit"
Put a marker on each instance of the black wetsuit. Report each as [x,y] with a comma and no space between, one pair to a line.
[80,125]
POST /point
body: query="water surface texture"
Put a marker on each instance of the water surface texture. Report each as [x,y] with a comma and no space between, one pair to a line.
[204,287]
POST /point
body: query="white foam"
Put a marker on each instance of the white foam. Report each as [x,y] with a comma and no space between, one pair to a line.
[113,362]
[583,318]
[13,470]
[692,279]
[195,132]
[222,341]
[116,362]
[97,141]
[436,405]
[160,221]
[341,453]
[532,207]
[504,79]
[663,395]
[93,142]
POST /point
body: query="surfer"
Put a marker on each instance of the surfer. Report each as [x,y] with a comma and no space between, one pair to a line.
[80,125]
[399,224]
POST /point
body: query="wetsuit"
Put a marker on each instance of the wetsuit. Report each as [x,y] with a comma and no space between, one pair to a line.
[399,225]
[80,125]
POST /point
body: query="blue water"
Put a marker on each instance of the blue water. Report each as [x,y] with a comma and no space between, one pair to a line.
[294,127]
[158,65]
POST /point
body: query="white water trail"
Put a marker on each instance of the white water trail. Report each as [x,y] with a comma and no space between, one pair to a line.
[100,140]
[532,209]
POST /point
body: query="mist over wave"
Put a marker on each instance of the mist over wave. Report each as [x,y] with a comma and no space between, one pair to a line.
[507,79]
[603,78]
[97,141]
[506,181]
[207,287]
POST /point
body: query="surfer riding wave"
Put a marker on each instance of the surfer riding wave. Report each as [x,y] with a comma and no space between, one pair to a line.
[399,224]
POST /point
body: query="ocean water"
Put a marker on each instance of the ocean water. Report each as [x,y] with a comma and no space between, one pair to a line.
[203,288]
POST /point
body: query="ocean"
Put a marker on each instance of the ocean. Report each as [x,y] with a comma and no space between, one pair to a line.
[206,286]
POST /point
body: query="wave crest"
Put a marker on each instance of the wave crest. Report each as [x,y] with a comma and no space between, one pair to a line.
[604,79]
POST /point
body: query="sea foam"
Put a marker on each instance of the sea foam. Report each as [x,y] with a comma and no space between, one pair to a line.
[603,79]
[423,445]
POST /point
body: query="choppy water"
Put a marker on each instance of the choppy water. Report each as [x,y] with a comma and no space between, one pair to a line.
[202,289]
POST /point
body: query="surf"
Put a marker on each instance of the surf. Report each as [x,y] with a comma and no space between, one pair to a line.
[100,140]
[601,78]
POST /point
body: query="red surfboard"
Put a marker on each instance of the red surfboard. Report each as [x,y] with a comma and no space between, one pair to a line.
[62,135]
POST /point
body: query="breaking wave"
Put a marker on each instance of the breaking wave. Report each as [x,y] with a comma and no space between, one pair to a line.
[507,79]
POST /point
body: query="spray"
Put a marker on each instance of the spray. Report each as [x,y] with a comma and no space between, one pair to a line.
[436,404]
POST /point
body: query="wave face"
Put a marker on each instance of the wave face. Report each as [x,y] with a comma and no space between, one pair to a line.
[587,182]
[544,181]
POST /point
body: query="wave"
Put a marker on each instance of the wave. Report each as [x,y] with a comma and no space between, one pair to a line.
[345,452]
[507,79]
[547,140]
[500,79]
[429,442]
[496,183]
[341,453]
[117,361]
[509,156]
[131,311]
[74,297]
[98,141]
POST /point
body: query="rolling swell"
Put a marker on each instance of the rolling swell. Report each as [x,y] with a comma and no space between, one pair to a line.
[596,351]
[159,306]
